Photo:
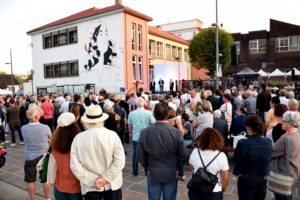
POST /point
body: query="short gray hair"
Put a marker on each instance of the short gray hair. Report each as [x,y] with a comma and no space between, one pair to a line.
[140,102]
[217,114]
[32,112]
[107,106]
[292,118]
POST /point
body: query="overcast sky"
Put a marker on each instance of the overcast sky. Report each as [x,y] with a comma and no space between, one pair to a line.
[19,16]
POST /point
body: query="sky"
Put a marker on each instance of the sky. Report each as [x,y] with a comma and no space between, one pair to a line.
[19,16]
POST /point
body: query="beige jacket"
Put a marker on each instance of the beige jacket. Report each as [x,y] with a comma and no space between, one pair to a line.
[97,152]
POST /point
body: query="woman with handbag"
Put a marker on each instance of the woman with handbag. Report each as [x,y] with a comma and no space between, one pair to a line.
[67,186]
[207,159]
[285,158]
[252,157]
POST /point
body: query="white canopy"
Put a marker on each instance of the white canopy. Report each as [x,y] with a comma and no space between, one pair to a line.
[277,72]
[297,72]
[262,73]
[4,92]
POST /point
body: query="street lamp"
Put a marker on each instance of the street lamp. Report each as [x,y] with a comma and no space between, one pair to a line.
[217,46]
[12,74]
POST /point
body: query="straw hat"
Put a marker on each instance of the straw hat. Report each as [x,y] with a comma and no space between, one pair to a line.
[94,114]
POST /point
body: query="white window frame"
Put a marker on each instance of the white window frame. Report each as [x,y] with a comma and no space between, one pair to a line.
[140,68]
[133,36]
[159,46]
[139,33]
[134,67]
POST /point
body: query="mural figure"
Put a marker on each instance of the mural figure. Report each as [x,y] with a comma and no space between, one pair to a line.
[100,48]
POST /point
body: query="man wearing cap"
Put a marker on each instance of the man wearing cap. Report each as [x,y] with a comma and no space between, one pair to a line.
[138,120]
[162,153]
[97,158]
[36,136]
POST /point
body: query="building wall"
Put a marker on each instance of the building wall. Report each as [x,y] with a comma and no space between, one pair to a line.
[154,60]
[128,75]
[184,29]
[110,76]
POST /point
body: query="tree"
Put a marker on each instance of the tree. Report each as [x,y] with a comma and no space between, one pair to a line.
[202,49]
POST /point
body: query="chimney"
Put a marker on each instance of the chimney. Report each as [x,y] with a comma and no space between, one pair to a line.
[118,1]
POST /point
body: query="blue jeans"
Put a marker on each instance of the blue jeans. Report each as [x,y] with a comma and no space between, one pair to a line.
[214,196]
[167,189]
[135,161]
[66,196]
[13,130]
[282,197]
[252,188]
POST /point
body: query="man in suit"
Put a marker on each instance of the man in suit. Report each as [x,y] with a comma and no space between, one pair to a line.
[161,85]
[171,85]
[221,125]
[152,86]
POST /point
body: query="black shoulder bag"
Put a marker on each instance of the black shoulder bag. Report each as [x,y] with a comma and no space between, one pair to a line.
[203,182]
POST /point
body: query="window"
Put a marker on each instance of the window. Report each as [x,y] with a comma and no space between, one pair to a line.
[73,68]
[257,46]
[60,37]
[72,35]
[47,40]
[55,38]
[134,68]
[48,68]
[238,47]
[289,43]
[159,49]
[174,51]
[140,68]
[179,53]
[139,37]
[168,51]
[185,52]
[56,70]
[151,47]
[151,72]
[133,34]
[64,70]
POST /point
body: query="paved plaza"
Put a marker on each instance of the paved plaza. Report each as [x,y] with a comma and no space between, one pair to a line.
[13,187]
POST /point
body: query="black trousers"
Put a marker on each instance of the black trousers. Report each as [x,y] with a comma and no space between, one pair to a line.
[2,133]
[105,195]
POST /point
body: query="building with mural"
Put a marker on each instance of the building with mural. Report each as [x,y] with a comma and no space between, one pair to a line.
[111,48]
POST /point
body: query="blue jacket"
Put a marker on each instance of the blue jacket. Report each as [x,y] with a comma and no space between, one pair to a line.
[252,156]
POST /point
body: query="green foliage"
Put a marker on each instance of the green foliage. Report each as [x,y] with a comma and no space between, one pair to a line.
[202,49]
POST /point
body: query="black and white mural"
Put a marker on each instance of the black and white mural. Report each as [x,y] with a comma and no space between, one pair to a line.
[103,55]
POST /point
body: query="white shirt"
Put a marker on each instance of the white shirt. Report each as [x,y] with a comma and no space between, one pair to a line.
[220,163]
[152,104]
[97,152]
[173,106]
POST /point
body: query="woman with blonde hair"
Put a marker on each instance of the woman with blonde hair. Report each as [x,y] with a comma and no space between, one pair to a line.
[204,119]
[66,185]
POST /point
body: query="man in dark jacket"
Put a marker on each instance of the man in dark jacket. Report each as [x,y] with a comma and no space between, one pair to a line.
[263,101]
[215,102]
[221,125]
[162,153]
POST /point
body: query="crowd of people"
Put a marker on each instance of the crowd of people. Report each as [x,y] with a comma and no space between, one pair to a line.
[86,134]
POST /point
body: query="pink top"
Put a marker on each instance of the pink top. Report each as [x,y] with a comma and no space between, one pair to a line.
[48,110]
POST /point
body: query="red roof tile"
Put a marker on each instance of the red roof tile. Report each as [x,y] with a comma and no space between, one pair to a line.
[91,12]
[161,33]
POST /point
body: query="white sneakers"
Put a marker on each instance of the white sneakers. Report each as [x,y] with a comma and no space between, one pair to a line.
[21,143]
[13,144]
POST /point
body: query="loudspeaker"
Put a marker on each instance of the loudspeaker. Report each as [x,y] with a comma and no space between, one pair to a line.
[293,74]
[233,55]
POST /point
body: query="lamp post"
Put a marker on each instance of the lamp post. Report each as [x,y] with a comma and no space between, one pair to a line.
[12,74]
[217,47]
